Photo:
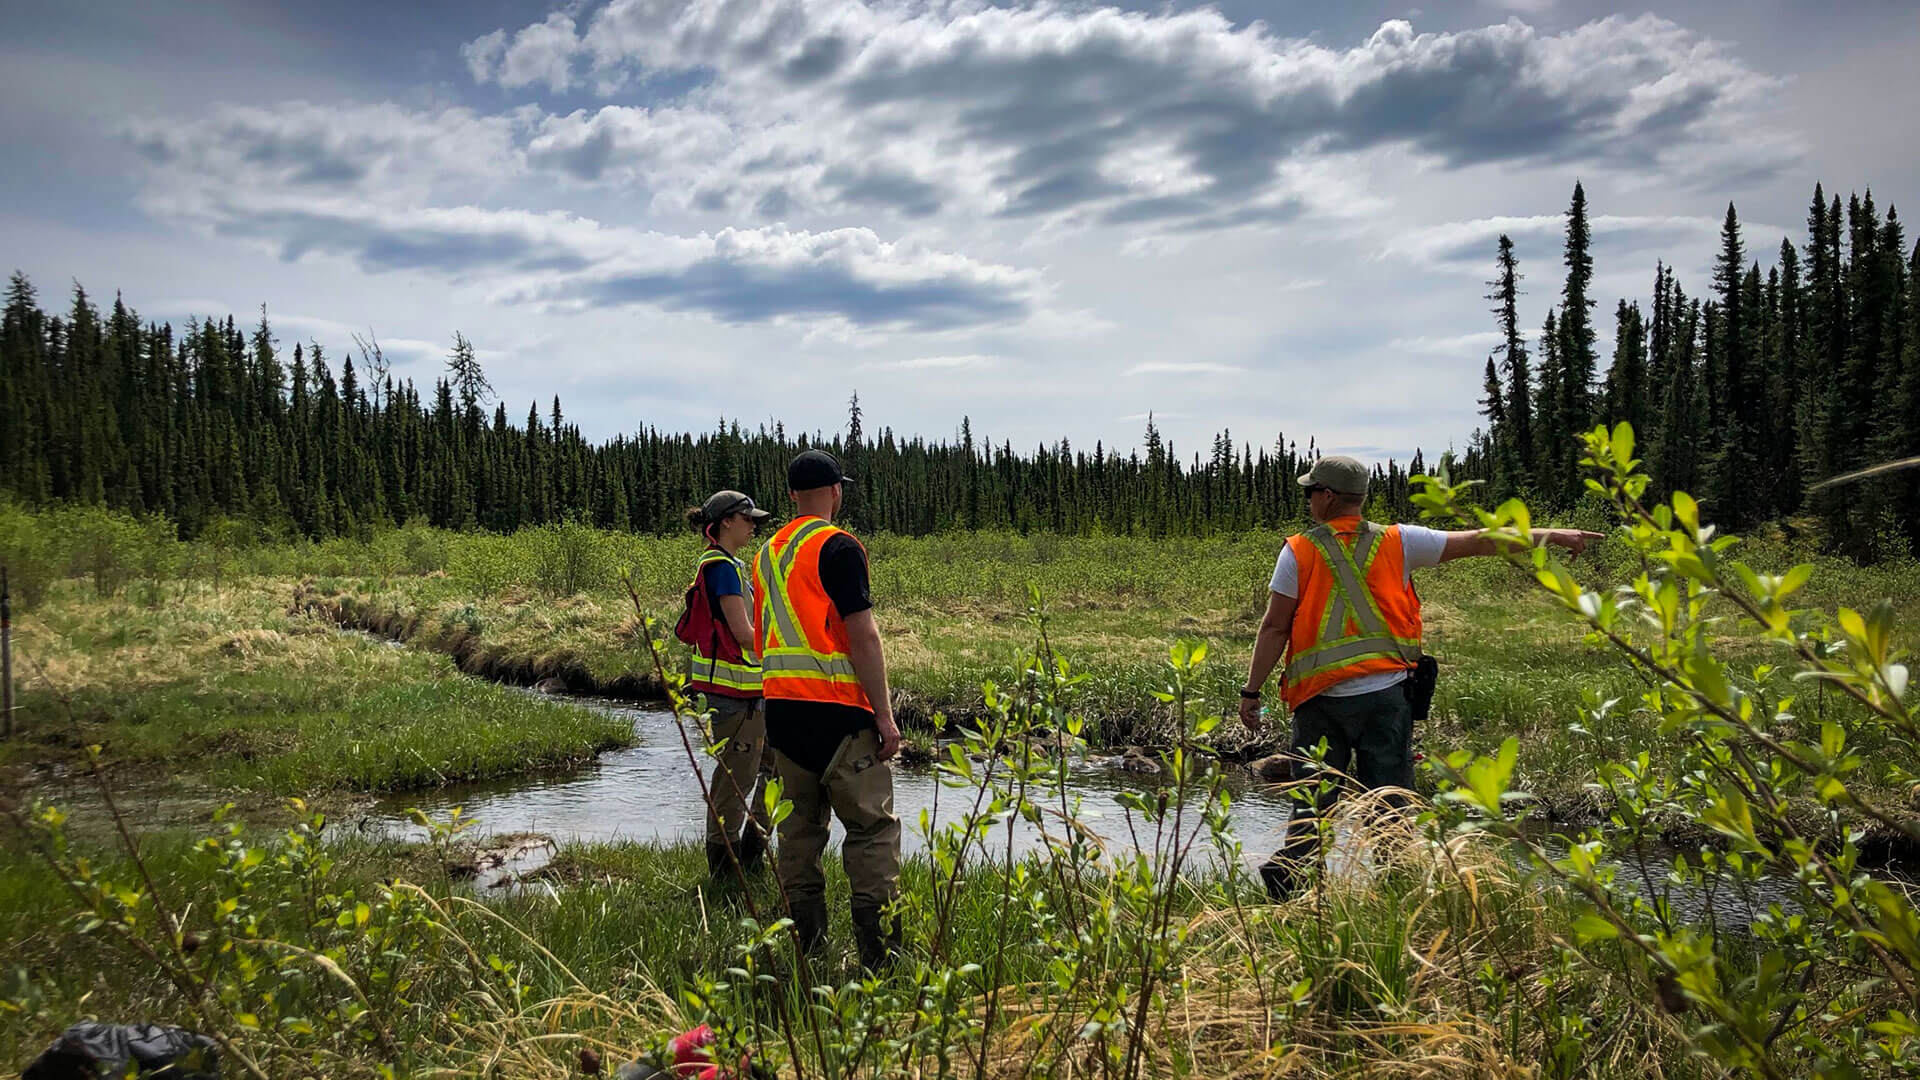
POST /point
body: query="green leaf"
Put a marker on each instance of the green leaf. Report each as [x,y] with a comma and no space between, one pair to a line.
[1591,927]
[1687,511]
[1623,444]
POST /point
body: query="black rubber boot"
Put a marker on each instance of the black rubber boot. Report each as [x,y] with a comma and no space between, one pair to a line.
[810,922]
[1277,876]
[877,936]
[719,867]
[752,850]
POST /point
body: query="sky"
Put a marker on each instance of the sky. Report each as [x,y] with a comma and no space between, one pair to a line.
[1054,219]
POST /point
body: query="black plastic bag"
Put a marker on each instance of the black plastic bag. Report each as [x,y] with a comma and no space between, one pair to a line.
[93,1051]
[1420,684]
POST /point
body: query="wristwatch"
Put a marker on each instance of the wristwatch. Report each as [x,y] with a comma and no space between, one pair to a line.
[1250,695]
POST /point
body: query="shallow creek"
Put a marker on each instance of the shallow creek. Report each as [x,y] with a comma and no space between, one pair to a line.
[648,793]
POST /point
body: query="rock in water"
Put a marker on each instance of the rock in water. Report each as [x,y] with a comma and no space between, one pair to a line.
[552,684]
[1273,769]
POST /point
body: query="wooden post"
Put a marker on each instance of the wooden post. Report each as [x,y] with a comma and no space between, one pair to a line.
[6,657]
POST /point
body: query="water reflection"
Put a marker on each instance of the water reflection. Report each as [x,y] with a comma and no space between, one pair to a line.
[647,793]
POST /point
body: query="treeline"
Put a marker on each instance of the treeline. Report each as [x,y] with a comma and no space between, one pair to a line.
[216,423]
[1746,394]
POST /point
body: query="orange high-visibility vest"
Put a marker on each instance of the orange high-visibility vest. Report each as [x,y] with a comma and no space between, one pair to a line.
[1357,614]
[804,651]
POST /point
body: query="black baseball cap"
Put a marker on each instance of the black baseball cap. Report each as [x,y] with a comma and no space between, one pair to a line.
[722,503]
[814,469]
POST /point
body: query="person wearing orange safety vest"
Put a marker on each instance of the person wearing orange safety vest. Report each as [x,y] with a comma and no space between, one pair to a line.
[718,626]
[829,713]
[1342,608]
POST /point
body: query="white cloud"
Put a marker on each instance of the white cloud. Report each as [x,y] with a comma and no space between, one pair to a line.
[539,53]
[1470,245]
[370,185]
[937,363]
[1457,344]
[1155,121]
[1196,367]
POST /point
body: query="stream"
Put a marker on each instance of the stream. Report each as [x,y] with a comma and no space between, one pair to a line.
[647,793]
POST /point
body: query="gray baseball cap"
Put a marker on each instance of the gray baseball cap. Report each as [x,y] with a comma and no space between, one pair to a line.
[1339,473]
[722,503]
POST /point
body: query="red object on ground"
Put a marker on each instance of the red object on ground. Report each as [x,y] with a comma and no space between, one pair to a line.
[690,1055]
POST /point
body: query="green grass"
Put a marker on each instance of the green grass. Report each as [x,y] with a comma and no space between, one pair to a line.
[226,689]
[228,685]
[637,924]
[952,608]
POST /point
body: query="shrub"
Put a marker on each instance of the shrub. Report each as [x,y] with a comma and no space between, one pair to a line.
[1823,985]
[29,552]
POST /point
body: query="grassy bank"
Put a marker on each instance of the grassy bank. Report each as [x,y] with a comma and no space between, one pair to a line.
[224,688]
[193,647]
[953,611]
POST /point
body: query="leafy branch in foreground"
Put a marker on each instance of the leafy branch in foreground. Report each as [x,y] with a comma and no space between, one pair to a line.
[1821,981]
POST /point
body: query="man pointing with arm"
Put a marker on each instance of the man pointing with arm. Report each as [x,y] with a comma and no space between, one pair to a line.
[1341,606]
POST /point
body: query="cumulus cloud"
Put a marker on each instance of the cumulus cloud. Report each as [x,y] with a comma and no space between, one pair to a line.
[363,184]
[539,53]
[1153,120]
[387,148]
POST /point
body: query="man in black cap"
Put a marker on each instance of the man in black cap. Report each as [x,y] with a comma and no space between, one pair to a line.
[829,713]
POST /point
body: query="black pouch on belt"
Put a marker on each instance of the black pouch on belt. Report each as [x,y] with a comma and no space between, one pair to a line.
[1420,684]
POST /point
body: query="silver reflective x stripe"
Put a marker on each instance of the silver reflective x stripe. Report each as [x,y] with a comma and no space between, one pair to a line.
[775,576]
[1350,596]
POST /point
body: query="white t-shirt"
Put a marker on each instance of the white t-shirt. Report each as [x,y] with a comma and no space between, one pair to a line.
[1419,547]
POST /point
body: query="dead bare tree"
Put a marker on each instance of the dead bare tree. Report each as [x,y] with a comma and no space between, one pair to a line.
[374,361]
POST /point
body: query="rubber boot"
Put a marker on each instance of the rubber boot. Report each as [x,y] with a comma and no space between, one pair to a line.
[877,936]
[1277,876]
[809,916]
[752,850]
[719,867]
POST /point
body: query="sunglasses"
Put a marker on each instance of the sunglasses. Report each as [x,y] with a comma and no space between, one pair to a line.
[1315,489]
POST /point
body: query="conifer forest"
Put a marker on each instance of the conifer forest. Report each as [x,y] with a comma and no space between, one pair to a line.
[1748,389]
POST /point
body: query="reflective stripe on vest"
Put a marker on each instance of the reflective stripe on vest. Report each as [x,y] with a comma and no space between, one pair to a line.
[711,672]
[1348,601]
[793,665]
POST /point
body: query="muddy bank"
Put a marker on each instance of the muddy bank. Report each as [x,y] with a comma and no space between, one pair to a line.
[563,671]
[556,672]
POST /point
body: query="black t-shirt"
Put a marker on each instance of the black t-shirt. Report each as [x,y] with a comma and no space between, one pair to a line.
[810,731]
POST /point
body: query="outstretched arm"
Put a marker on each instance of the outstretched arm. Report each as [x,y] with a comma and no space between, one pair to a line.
[1467,543]
[1268,647]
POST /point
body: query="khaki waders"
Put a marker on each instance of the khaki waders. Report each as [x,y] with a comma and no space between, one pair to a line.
[857,787]
[737,789]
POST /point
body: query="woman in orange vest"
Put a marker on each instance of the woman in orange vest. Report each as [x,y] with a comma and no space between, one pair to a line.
[1341,606]
[717,626]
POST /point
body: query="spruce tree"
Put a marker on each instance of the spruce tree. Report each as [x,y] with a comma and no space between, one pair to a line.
[1578,361]
[1515,368]
[1550,425]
